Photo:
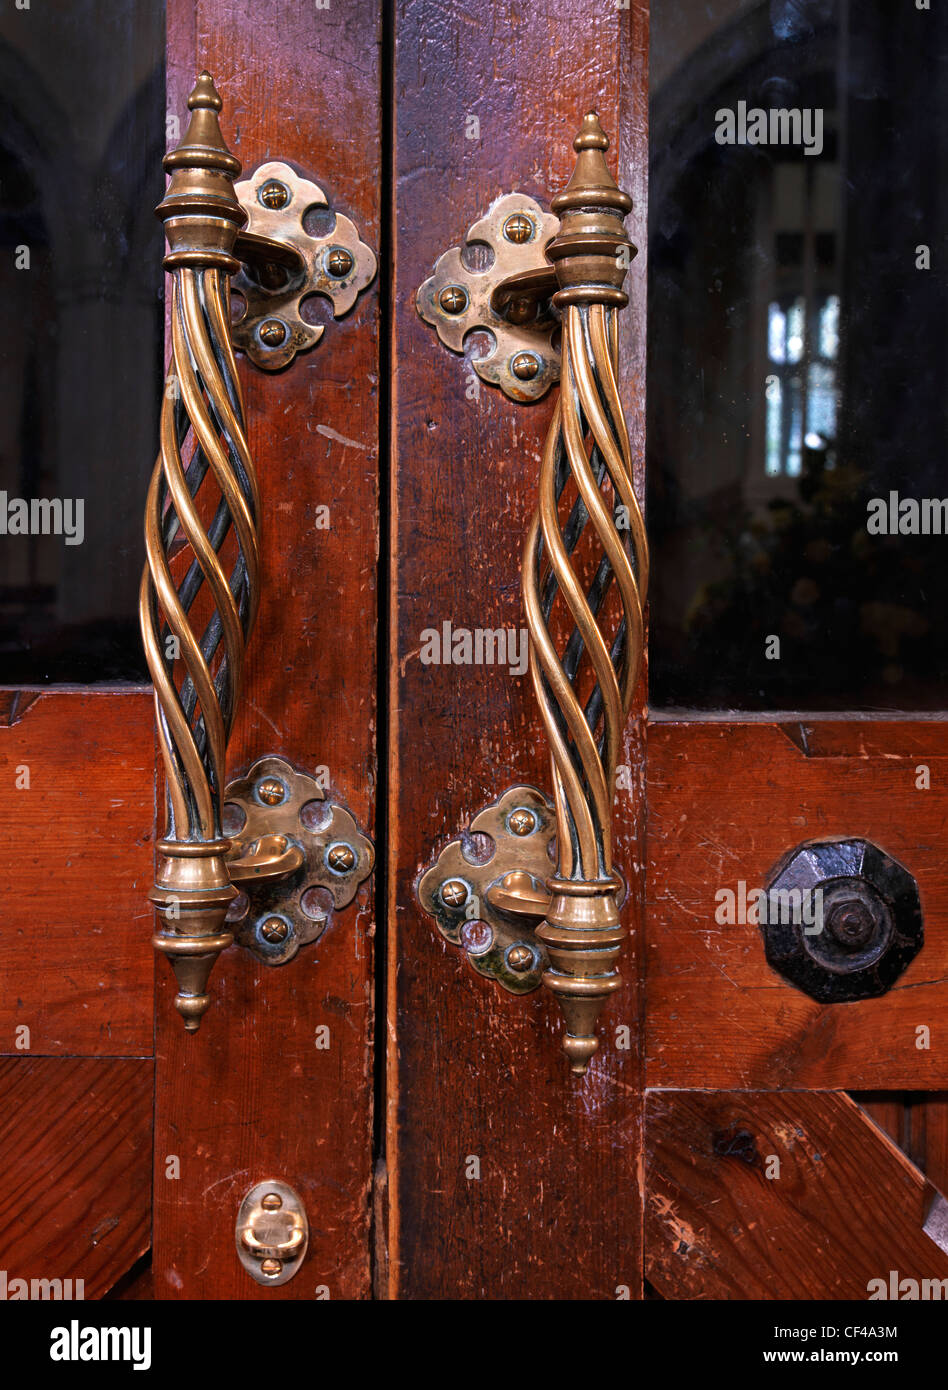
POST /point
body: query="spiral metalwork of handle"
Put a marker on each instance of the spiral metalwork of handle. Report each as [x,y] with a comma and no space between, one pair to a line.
[586,472]
[194,723]
[201,520]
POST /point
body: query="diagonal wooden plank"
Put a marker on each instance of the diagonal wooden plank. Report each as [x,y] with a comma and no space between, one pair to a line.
[779,1195]
[918,1122]
[75,1169]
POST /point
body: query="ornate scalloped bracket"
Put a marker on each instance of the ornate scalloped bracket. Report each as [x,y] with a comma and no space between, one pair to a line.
[490,906]
[458,301]
[287,843]
[283,265]
[473,903]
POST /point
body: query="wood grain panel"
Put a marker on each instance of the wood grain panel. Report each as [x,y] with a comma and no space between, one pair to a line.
[725,803]
[846,1205]
[75,1168]
[473,1072]
[75,954]
[251,1095]
[933,1121]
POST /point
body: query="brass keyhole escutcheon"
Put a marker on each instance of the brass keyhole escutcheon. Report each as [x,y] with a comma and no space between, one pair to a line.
[272,1232]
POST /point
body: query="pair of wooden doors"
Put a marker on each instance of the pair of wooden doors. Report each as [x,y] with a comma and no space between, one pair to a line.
[426,1118]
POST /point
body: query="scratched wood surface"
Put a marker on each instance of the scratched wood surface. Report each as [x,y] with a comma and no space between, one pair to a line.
[75,1159]
[725,802]
[76,833]
[844,1205]
[473,1072]
[250,1095]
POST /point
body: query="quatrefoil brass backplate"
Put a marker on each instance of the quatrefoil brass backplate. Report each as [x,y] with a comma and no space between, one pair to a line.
[469,900]
[284,265]
[287,842]
[458,301]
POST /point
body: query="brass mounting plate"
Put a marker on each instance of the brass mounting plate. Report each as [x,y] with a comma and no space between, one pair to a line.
[464,897]
[337,265]
[272,1232]
[458,301]
[274,916]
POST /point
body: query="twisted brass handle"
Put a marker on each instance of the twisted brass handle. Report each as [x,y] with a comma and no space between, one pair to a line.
[584,578]
[201,587]
[201,519]
[589,637]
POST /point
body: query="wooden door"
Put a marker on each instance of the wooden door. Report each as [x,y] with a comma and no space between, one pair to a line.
[524,1184]
[734,1137]
[129,1142]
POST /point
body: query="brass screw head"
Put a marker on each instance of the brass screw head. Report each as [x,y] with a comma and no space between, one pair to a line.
[272,1202]
[341,858]
[520,958]
[274,195]
[522,822]
[271,791]
[273,332]
[477,936]
[339,261]
[274,930]
[524,366]
[518,228]
[453,300]
[454,892]
[271,1267]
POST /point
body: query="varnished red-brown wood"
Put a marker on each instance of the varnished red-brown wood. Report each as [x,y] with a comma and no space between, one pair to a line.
[75,1159]
[932,1118]
[846,1208]
[473,1071]
[250,1095]
[75,958]
[918,1123]
[725,802]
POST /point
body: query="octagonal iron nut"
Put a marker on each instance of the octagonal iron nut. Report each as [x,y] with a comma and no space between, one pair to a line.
[842,920]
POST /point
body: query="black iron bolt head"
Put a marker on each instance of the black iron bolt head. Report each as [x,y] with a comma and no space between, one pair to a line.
[843,920]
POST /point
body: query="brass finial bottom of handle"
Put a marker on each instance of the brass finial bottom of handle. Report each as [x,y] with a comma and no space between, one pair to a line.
[192,893]
[583,935]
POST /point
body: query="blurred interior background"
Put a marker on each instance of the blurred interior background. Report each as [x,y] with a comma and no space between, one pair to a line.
[796,357]
[82,134]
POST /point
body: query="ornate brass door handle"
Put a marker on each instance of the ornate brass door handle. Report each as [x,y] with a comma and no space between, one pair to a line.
[201,586]
[584,579]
